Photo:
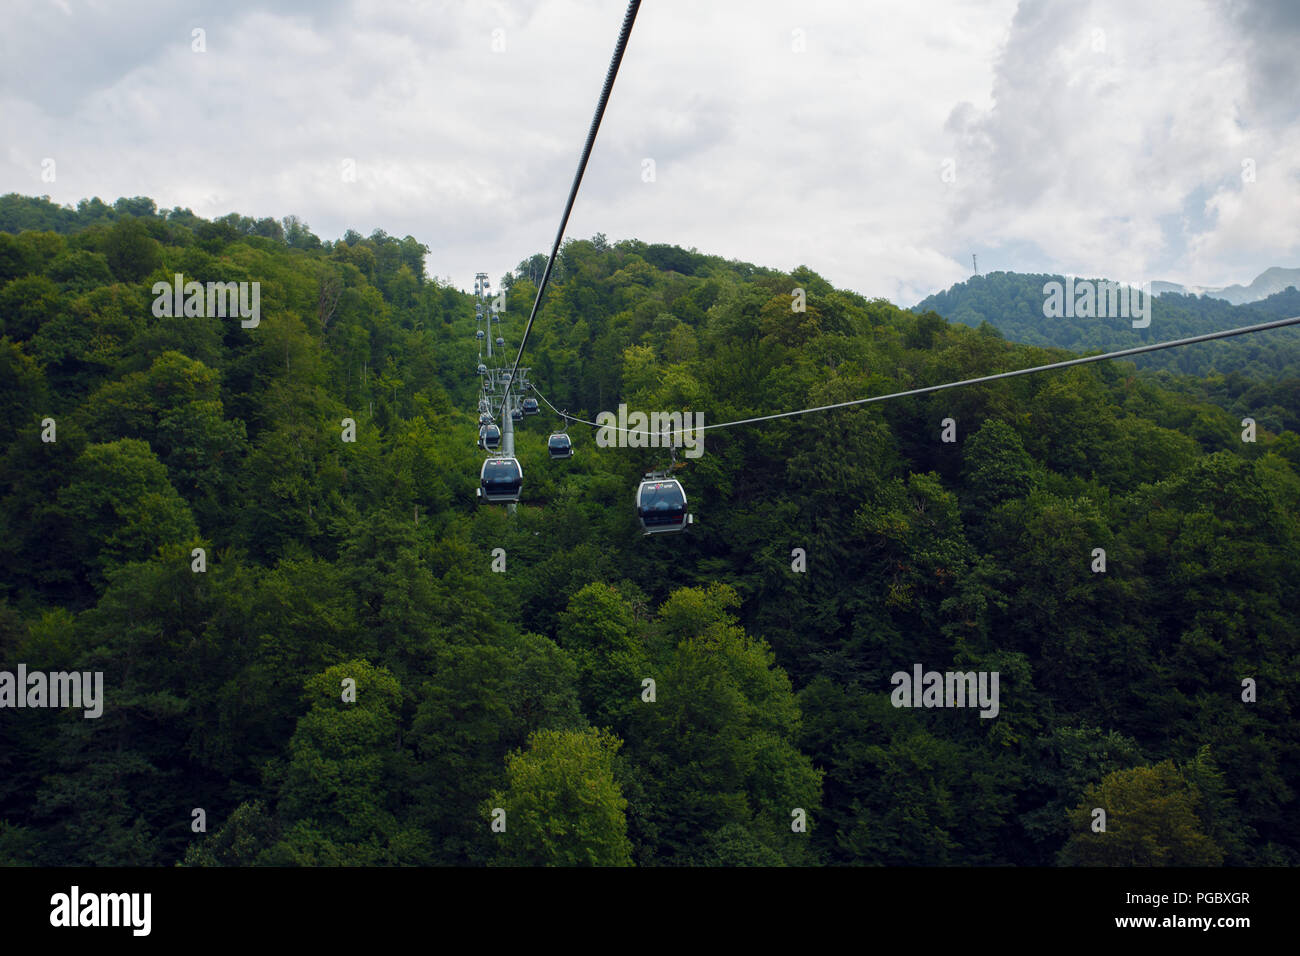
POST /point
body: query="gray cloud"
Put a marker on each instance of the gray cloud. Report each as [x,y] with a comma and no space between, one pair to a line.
[1269,30]
[1122,160]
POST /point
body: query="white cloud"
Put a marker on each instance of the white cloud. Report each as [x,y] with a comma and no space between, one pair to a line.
[1122,161]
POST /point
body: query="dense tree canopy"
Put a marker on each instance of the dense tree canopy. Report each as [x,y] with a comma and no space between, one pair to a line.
[317,642]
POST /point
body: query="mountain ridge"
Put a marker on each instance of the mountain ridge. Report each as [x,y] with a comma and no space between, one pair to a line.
[1013,303]
[1271,281]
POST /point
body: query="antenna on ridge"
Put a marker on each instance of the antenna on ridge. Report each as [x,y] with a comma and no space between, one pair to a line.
[974,264]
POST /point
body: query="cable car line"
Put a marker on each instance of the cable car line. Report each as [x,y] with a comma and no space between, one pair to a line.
[661,502]
[628,19]
[1137,350]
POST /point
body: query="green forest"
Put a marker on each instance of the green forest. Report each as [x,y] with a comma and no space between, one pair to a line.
[1255,376]
[179,511]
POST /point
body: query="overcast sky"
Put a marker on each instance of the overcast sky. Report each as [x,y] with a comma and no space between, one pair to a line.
[878,143]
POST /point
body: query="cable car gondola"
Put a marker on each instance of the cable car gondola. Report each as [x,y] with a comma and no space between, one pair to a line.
[661,505]
[530,406]
[479,335]
[560,445]
[516,415]
[500,480]
[489,437]
[482,369]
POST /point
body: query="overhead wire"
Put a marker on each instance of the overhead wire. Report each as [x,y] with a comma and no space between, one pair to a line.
[611,74]
[624,32]
[1083,360]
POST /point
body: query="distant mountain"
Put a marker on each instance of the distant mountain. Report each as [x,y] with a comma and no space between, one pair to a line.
[1269,282]
[1013,303]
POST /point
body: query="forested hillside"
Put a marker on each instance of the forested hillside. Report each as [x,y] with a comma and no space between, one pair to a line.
[830,552]
[1012,302]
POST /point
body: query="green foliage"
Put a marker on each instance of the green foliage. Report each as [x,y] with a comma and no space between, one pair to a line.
[121,506]
[481,702]
[1151,820]
[241,841]
[598,630]
[718,745]
[1013,304]
[130,252]
[997,468]
[830,552]
[27,304]
[343,759]
[563,806]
